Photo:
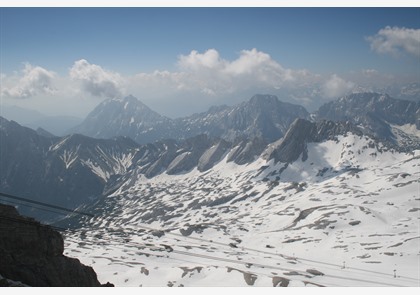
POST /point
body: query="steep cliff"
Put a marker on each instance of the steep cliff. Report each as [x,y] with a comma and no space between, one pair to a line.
[32,253]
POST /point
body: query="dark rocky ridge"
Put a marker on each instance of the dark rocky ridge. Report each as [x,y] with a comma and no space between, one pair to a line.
[301,132]
[32,253]
[374,111]
[56,170]
[73,170]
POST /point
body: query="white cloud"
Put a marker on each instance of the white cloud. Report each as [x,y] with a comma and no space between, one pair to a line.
[369,72]
[96,80]
[208,73]
[200,81]
[395,40]
[251,61]
[335,87]
[197,61]
[203,79]
[31,82]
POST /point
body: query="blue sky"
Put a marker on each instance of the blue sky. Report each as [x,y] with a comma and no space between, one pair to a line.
[118,44]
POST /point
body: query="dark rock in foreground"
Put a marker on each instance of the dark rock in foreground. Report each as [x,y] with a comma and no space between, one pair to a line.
[32,253]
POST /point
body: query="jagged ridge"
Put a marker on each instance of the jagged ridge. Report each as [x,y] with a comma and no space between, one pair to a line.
[262,116]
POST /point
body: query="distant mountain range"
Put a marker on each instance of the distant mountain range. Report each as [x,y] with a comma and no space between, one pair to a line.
[245,187]
[74,169]
[56,125]
[262,116]
[376,113]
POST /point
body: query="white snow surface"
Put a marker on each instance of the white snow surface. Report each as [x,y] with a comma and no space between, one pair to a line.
[347,216]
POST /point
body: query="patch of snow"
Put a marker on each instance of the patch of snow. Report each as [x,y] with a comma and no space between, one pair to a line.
[264,223]
[69,157]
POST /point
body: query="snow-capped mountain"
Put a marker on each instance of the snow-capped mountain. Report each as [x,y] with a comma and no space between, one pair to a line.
[325,206]
[262,116]
[379,114]
[250,196]
[125,117]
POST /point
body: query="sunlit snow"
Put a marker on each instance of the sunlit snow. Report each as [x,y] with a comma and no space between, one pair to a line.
[347,216]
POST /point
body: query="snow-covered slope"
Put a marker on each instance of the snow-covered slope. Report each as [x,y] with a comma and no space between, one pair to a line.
[345,214]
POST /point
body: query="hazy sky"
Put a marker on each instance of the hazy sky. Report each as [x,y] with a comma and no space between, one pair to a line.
[183,60]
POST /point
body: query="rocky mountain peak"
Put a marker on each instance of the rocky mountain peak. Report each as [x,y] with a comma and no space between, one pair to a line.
[263,99]
[263,116]
[376,112]
[126,116]
[294,144]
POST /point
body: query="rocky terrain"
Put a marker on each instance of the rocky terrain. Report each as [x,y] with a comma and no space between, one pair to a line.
[260,194]
[32,255]
[344,213]
[74,170]
[62,171]
[378,114]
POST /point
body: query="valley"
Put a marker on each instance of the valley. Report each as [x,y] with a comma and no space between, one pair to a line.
[274,201]
[352,218]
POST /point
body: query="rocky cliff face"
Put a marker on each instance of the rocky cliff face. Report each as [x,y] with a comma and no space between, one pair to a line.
[32,253]
[374,111]
[294,144]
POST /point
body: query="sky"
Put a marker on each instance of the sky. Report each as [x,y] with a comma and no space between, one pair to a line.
[65,61]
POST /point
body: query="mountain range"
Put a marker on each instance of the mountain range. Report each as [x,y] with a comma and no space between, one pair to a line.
[262,116]
[75,168]
[244,182]
[326,205]
[57,125]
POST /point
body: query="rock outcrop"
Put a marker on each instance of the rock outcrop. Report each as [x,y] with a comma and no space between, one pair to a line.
[301,132]
[32,253]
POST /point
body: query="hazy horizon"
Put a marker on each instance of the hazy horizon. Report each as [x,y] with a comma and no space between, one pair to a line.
[180,61]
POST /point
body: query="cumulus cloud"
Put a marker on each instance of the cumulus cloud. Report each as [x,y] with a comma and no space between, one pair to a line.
[250,61]
[96,80]
[211,74]
[197,61]
[32,81]
[396,40]
[206,78]
[336,87]
[201,79]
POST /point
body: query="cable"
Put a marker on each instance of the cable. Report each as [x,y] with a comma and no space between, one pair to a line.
[277,254]
[199,239]
[269,253]
[200,263]
[26,221]
[29,206]
[200,256]
[45,204]
[255,264]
